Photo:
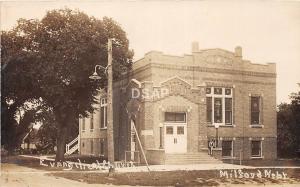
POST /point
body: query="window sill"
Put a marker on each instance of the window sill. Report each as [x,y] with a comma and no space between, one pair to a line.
[228,158]
[83,131]
[211,125]
[91,130]
[258,157]
[256,126]
[104,128]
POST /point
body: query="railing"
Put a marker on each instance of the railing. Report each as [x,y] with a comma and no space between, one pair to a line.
[72,147]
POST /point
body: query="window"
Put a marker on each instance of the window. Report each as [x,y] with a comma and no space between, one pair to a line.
[92,147]
[83,124]
[227,148]
[228,110]
[218,110]
[218,91]
[82,144]
[169,130]
[256,148]
[255,110]
[103,113]
[227,91]
[209,109]
[175,117]
[180,130]
[219,105]
[208,90]
[102,148]
[92,121]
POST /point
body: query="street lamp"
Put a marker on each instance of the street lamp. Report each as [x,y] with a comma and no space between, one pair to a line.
[110,128]
[217,134]
[95,75]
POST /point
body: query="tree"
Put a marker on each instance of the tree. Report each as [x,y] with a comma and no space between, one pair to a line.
[47,133]
[63,48]
[16,88]
[288,121]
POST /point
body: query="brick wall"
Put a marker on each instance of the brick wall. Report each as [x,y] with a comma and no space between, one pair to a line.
[187,77]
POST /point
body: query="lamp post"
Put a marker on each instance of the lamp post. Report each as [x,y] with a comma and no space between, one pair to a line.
[217,134]
[160,135]
[110,128]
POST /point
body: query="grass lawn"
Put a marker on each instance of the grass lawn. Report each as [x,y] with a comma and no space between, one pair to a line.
[181,178]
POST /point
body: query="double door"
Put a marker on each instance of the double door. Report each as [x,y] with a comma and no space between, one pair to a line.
[175,138]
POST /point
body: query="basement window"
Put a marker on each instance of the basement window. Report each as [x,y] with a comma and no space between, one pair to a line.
[227,148]
[256,149]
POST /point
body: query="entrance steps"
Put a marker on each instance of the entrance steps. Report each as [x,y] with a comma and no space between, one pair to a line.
[190,158]
[73,146]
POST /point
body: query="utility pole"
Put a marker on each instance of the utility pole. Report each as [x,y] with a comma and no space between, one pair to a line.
[110,123]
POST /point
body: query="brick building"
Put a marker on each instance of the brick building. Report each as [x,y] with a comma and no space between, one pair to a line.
[176,103]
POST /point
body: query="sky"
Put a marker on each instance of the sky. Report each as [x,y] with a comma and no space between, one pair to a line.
[268,31]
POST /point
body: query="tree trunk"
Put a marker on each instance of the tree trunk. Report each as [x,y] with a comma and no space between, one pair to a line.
[61,143]
[65,120]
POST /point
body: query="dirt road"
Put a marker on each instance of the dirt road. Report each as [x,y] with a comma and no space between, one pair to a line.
[18,176]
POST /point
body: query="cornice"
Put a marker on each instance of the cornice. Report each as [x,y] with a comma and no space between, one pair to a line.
[204,69]
[232,81]
[214,70]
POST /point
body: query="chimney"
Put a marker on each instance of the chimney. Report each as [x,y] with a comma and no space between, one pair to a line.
[195,47]
[238,52]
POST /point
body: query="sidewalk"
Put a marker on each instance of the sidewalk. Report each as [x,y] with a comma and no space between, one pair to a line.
[188,167]
[182,167]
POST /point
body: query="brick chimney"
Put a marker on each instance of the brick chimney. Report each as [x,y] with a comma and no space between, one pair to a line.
[238,52]
[195,47]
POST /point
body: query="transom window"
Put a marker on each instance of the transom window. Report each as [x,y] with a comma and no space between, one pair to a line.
[256,148]
[227,148]
[219,105]
[103,113]
[218,91]
[175,117]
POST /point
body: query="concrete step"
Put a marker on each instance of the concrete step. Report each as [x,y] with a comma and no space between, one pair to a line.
[181,159]
[185,154]
[193,162]
[190,163]
[190,158]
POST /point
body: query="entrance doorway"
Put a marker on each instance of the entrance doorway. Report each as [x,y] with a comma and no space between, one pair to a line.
[175,133]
